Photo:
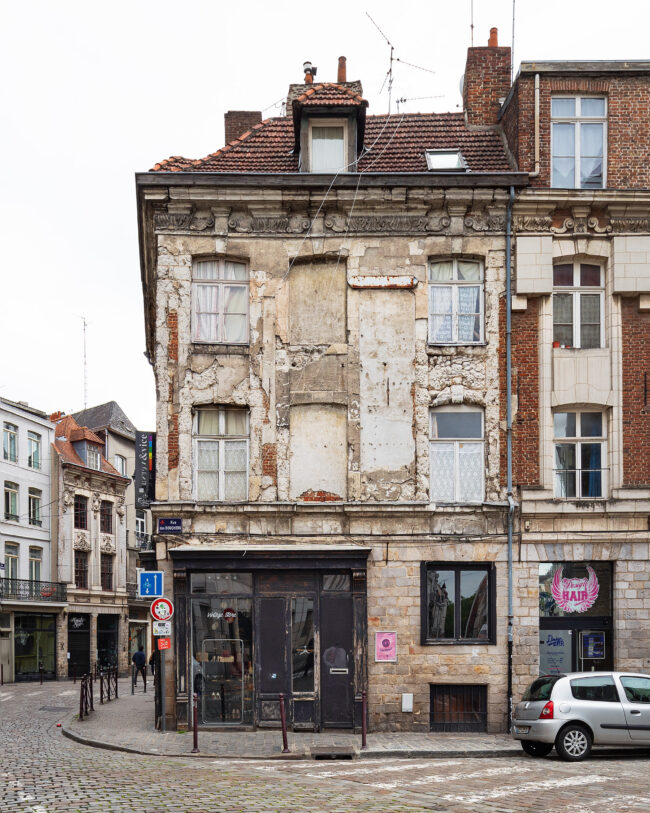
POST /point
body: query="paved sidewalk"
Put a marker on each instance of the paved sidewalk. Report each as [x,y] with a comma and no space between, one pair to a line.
[126,724]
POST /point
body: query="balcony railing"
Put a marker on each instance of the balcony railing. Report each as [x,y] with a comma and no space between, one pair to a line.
[25,590]
[139,540]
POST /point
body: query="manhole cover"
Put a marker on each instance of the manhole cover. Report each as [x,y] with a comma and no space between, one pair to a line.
[55,708]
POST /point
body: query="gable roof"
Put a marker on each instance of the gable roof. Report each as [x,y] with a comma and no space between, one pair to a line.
[106,416]
[393,143]
[67,432]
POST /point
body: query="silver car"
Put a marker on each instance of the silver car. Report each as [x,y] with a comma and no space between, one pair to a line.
[574,711]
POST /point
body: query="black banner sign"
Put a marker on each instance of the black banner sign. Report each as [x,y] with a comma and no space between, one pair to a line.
[145,469]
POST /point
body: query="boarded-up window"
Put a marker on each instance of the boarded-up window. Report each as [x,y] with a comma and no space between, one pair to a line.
[317,313]
[318,451]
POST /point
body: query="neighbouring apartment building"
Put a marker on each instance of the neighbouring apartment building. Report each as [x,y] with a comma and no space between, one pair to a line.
[89,534]
[31,599]
[111,425]
[401,368]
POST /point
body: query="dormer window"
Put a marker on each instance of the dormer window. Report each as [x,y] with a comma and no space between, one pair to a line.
[327,145]
[445,161]
[93,457]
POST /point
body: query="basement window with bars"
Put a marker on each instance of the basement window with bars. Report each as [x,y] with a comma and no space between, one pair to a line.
[221,437]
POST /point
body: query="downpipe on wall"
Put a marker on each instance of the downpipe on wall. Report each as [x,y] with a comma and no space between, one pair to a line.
[512,505]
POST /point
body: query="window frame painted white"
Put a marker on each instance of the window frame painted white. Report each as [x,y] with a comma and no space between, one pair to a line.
[333,123]
[455,284]
[219,283]
[222,439]
[457,443]
[577,120]
[578,441]
[576,291]
[9,432]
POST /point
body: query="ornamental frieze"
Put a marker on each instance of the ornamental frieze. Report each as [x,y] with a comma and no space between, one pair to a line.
[289,224]
[631,224]
[581,225]
[183,221]
[485,222]
[387,223]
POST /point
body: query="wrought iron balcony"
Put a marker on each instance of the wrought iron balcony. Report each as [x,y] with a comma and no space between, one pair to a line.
[25,590]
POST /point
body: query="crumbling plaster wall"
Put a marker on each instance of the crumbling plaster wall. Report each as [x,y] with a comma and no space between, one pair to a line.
[376,329]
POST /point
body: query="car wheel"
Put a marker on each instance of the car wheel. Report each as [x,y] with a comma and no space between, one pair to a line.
[573,743]
[536,749]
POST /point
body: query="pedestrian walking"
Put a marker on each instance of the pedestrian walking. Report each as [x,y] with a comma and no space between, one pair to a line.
[140,661]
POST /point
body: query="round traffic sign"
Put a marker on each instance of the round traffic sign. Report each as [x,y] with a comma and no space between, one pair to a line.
[162,609]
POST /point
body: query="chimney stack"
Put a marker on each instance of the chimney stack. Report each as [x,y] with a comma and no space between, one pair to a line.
[238,122]
[486,81]
[342,74]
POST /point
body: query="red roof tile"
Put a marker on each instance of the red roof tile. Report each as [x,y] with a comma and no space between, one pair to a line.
[393,143]
[67,432]
[329,93]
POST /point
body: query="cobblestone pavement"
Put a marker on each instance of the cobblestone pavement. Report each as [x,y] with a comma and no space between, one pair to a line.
[42,772]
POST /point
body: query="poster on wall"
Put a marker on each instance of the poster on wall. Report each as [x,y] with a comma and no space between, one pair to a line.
[554,651]
[385,646]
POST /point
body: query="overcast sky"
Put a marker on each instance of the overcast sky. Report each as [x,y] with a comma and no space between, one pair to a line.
[92,93]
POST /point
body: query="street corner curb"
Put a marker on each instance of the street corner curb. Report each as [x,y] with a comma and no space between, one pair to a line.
[426,754]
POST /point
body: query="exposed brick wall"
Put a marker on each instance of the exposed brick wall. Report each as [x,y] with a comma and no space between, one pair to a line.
[525,390]
[487,79]
[319,496]
[172,324]
[238,122]
[636,398]
[628,125]
[270,462]
[172,443]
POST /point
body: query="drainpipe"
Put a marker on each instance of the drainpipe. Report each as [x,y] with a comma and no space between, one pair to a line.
[511,502]
[535,174]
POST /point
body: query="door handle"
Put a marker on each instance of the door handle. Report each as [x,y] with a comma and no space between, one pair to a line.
[635,711]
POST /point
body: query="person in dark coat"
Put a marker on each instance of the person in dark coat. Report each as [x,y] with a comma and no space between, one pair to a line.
[140,661]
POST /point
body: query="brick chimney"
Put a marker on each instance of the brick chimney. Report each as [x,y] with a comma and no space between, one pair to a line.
[487,80]
[238,122]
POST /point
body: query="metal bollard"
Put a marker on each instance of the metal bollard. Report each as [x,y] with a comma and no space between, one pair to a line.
[195,723]
[364,714]
[283,718]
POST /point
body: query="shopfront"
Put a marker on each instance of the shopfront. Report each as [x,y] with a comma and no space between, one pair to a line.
[256,626]
[575,617]
[34,646]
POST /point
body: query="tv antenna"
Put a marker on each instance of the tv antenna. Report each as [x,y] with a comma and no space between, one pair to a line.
[85,324]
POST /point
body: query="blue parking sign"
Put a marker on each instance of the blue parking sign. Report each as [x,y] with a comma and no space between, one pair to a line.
[150,583]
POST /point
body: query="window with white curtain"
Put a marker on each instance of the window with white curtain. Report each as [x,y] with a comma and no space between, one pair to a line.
[327,145]
[579,142]
[220,302]
[221,453]
[455,302]
[457,454]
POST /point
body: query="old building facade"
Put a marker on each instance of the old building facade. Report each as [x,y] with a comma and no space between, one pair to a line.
[326,305]
[88,528]
[31,599]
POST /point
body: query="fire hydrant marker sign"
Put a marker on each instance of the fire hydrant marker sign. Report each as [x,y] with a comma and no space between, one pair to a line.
[385,646]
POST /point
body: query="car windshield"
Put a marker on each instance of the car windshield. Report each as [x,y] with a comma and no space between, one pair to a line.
[541,688]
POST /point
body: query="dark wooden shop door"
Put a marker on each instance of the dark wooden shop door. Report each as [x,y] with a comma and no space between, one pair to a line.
[337,661]
[273,673]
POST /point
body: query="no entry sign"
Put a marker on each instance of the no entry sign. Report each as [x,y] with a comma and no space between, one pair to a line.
[162,609]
